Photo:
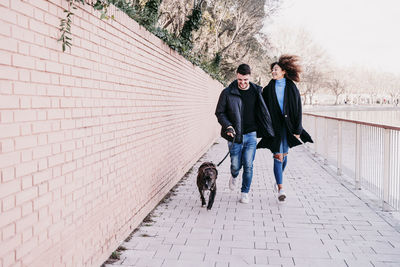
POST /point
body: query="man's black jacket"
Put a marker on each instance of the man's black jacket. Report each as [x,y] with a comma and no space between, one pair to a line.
[229,113]
[291,117]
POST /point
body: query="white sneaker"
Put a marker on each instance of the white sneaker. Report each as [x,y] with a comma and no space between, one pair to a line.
[245,198]
[281,195]
[232,183]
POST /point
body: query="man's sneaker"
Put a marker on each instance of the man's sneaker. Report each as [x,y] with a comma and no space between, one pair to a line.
[232,183]
[281,195]
[245,198]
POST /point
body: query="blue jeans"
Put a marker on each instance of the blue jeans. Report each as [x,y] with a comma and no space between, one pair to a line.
[279,166]
[243,155]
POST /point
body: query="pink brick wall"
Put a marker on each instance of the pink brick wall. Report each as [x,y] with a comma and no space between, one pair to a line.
[92,139]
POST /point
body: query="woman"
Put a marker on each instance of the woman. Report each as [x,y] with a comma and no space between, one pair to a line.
[284,104]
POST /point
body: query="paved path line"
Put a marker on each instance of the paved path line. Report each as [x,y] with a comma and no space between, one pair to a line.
[322,223]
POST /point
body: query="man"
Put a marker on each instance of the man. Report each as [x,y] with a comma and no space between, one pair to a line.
[243,115]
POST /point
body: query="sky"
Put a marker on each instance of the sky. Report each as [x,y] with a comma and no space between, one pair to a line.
[353,32]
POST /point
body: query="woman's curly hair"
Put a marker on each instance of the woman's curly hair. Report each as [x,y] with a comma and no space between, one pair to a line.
[290,64]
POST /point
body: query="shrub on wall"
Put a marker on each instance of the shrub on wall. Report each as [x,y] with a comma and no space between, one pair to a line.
[147,17]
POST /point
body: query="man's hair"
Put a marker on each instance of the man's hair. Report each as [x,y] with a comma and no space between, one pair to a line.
[243,69]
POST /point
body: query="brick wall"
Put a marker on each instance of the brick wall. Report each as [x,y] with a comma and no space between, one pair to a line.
[91,139]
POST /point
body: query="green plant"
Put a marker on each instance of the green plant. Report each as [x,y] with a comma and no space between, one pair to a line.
[115,255]
[65,25]
[191,24]
[102,6]
[147,17]
[150,13]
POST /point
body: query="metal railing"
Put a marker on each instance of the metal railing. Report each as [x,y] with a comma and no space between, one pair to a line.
[366,151]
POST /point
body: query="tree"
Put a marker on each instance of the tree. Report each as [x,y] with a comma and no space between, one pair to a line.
[313,79]
[337,86]
[391,86]
[173,14]
[314,59]
[231,30]
[228,35]
[214,34]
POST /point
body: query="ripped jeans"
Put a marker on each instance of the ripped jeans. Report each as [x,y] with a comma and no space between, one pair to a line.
[279,166]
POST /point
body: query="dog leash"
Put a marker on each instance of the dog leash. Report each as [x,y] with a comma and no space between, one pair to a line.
[233,141]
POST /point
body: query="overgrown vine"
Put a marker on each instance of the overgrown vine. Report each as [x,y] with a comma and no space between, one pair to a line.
[150,13]
[65,27]
[191,24]
[146,16]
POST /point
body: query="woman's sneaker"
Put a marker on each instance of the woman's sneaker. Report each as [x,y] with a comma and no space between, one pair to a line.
[281,195]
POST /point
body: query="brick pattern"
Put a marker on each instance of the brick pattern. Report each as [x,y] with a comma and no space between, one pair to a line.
[90,139]
[323,222]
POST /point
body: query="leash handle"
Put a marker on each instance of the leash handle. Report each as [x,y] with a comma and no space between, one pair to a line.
[233,141]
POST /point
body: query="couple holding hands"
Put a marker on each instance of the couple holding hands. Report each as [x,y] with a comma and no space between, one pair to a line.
[246,111]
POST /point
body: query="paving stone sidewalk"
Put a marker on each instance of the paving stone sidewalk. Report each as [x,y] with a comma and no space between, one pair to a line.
[322,223]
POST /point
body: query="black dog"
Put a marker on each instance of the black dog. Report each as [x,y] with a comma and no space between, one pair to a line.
[206,180]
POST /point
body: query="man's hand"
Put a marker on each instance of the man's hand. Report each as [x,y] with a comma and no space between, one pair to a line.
[230,131]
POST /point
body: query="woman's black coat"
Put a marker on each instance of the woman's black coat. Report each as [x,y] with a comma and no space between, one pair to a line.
[291,117]
[229,113]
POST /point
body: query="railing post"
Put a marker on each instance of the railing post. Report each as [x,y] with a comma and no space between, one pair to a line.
[386,170]
[316,136]
[326,142]
[339,149]
[358,157]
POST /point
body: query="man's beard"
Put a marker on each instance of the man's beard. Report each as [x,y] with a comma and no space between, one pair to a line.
[245,86]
